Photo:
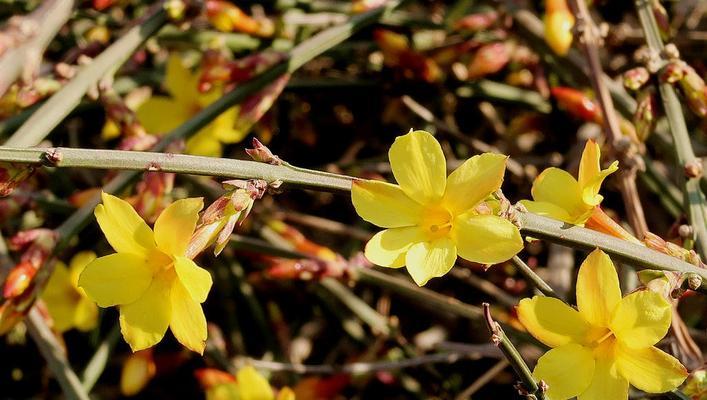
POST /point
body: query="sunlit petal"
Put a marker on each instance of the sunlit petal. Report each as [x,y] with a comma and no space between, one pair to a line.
[473,181]
[558,187]
[123,227]
[567,370]
[429,260]
[384,204]
[650,369]
[486,239]
[387,248]
[598,291]
[119,278]
[608,383]
[145,321]
[188,323]
[175,225]
[590,174]
[419,166]
[252,385]
[196,280]
[641,319]
[549,210]
[78,262]
[553,322]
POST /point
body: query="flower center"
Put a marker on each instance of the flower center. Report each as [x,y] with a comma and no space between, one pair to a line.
[606,336]
[436,221]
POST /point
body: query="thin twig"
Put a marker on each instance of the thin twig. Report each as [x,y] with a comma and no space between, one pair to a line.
[43,23]
[499,338]
[55,357]
[356,367]
[533,278]
[483,380]
[589,39]
[53,111]
[97,364]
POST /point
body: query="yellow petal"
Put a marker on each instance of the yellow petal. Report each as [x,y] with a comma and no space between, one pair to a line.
[175,225]
[85,315]
[110,130]
[552,322]
[650,369]
[60,298]
[387,248]
[590,174]
[558,187]
[486,239]
[160,115]
[608,383]
[78,262]
[116,279]
[196,280]
[473,181]
[188,323]
[180,82]
[222,128]
[252,385]
[419,166]
[429,260]
[598,291]
[641,319]
[384,204]
[123,227]
[145,321]
[549,210]
[59,283]
[567,370]
[204,144]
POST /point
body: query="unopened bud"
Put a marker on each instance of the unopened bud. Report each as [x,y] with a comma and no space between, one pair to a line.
[477,22]
[577,104]
[489,59]
[694,281]
[18,280]
[559,22]
[662,19]
[635,78]
[211,377]
[693,169]
[645,117]
[262,153]
[12,175]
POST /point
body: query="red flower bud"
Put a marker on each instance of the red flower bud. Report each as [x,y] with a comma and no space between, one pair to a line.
[489,59]
[577,104]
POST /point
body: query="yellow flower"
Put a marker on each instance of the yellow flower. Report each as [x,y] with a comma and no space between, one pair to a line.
[249,385]
[430,218]
[607,343]
[149,278]
[161,114]
[67,303]
[558,195]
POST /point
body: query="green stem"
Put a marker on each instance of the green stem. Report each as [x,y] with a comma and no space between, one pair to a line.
[55,356]
[54,110]
[499,338]
[63,157]
[97,364]
[694,201]
[581,238]
[533,278]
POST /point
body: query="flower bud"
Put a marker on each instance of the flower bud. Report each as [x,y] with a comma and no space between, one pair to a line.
[477,22]
[139,368]
[635,78]
[559,22]
[36,245]
[645,117]
[262,153]
[12,175]
[693,87]
[226,17]
[210,377]
[577,104]
[18,279]
[662,19]
[489,59]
